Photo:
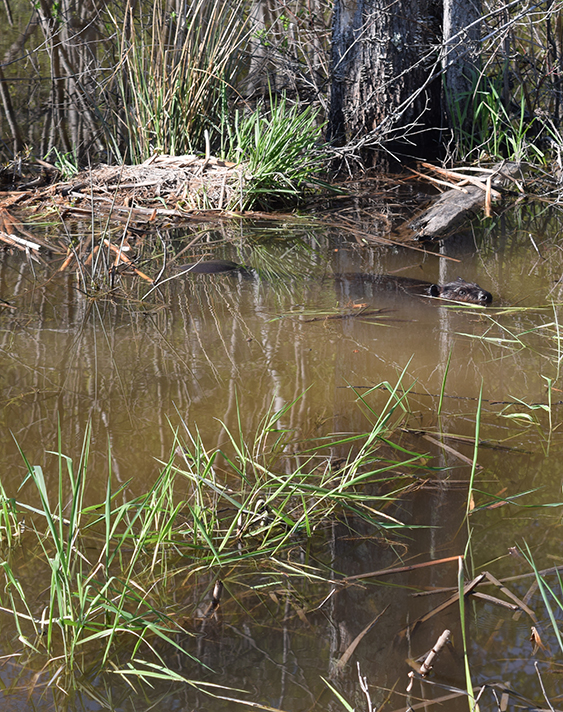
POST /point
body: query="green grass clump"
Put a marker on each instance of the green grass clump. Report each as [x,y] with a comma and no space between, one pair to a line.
[110,571]
[486,128]
[280,152]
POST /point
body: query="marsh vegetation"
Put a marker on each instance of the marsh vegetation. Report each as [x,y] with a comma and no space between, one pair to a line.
[277,487]
[83,85]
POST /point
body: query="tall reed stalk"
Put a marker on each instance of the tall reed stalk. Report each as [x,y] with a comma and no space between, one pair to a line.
[173,75]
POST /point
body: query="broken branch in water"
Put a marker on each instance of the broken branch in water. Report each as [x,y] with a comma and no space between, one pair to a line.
[429,660]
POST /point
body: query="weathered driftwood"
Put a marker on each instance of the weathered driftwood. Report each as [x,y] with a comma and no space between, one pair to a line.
[467,197]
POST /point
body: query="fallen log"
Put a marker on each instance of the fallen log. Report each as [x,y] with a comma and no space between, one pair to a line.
[467,197]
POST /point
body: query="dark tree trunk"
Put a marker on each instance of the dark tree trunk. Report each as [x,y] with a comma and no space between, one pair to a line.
[385,83]
[259,78]
[461,58]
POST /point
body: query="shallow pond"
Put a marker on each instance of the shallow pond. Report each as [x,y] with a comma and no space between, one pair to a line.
[214,354]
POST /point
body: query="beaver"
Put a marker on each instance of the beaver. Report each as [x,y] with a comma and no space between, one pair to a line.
[211,267]
[462,291]
[457,291]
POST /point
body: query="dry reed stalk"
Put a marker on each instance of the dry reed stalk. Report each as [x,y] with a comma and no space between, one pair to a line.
[91,255]
[68,259]
[121,258]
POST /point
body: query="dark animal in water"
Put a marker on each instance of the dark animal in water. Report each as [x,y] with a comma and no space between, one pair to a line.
[462,291]
[457,291]
[210,267]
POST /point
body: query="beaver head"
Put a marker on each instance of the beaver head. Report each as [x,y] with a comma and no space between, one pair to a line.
[462,291]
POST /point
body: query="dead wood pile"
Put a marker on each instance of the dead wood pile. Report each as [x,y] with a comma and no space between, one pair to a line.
[188,182]
[172,186]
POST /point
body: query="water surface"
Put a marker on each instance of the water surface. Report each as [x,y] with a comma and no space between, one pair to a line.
[217,352]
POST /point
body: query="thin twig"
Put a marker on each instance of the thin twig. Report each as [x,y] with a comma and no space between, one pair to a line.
[542,687]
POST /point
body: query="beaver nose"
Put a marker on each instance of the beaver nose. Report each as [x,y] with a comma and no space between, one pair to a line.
[485,297]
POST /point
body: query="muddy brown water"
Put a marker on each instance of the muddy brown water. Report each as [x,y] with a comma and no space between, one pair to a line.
[209,350]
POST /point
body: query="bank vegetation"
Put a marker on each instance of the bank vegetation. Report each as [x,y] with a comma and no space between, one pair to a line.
[289,94]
